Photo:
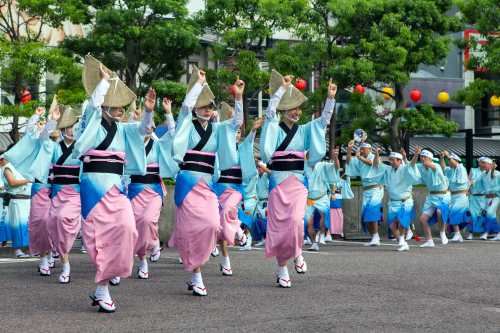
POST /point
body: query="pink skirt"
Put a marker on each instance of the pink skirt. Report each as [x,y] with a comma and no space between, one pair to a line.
[109,234]
[336,221]
[285,220]
[197,224]
[147,207]
[229,222]
[65,219]
[38,219]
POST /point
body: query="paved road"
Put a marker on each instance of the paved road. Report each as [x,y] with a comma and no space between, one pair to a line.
[348,288]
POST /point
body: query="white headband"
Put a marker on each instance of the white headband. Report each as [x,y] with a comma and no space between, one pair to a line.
[486,160]
[455,157]
[426,153]
[394,154]
[365,145]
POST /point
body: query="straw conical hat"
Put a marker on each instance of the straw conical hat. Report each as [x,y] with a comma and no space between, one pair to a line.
[68,118]
[292,98]
[226,111]
[119,95]
[206,97]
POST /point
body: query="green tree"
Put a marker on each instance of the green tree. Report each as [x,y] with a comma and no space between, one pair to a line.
[24,54]
[487,22]
[245,29]
[375,42]
[143,40]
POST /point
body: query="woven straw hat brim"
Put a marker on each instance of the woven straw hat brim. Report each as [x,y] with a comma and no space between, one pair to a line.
[119,95]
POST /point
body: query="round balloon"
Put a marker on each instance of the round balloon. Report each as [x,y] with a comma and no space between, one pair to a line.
[415,95]
[388,92]
[359,88]
[495,101]
[443,97]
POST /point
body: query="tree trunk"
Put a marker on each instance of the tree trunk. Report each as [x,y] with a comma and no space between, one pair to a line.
[14,132]
[396,142]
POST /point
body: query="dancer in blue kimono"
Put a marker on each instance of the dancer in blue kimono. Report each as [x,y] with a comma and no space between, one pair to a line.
[373,190]
[458,184]
[31,159]
[146,192]
[489,182]
[399,185]
[477,200]
[283,145]
[196,144]
[319,179]
[108,149]
[436,206]
[232,186]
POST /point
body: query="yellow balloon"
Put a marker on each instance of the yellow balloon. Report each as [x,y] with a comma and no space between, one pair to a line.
[495,101]
[443,97]
[387,90]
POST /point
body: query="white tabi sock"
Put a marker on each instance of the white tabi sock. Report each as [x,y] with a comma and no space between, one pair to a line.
[225,261]
[44,262]
[66,269]
[401,240]
[196,279]
[102,292]
[283,272]
[143,265]
[376,237]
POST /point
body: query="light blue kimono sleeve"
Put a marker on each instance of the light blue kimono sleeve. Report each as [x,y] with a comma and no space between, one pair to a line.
[384,173]
[270,128]
[352,168]
[91,120]
[40,168]
[315,133]
[438,177]
[247,161]
[346,190]
[168,167]
[414,172]
[330,172]
[226,138]
[135,163]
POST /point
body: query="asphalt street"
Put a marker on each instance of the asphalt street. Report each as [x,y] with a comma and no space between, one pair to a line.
[349,288]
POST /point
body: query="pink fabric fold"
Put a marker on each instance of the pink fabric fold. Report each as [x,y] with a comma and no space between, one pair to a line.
[65,218]
[39,239]
[336,221]
[109,234]
[285,220]
[196,226]
[147,207]
[228,210]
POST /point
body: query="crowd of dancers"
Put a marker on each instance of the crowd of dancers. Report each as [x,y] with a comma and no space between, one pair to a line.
[100,171]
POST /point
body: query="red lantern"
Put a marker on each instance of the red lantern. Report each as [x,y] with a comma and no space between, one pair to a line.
[359,88]
[232,89]
[415,95]
[301,84]
[25,96]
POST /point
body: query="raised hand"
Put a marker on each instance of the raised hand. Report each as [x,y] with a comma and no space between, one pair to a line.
[149,103]
[257,124]
[103,72]
[55,114]
[239,89]
[403,152]
[418,150]
[287,81]
[167,105]
[202,77]
[40,111]
[332,89]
